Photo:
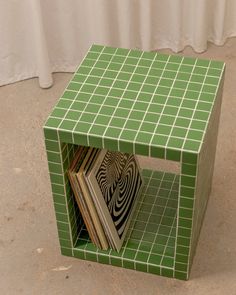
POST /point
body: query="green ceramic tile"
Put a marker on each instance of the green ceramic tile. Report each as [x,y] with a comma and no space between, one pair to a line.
[192,145]
[200,70]
[142,256]
[140,266]
[187,192]
[75,86]
[167,272]
[129,264]
[187,223]
[57,189]
[70,94]
[65,243]
[131,124]
[173,155]
[190,158]
[52,146]
[180,275]
[188,180]
[182,258]
[185,213]
[66,251]
[184,241]
[57,198]
[60,208]
[56,178]
[182,250]
[63,226]
[154,269]
[175,143]
[116,261]
[168,261]
[157,152]
[178,132]
[147,127]
[55,168]
[111,101]
[184,231]
[155,259]
[64,235]
[181,267]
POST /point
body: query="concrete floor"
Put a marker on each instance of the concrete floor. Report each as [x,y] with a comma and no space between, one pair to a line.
[30,260]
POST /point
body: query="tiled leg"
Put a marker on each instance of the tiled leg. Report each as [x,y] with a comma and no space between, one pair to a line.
[195,188]
[205,173]
[185,214]
[67,215]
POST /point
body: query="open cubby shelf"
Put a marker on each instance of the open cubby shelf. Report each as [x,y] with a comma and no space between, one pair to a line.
[150,242]
[149,104]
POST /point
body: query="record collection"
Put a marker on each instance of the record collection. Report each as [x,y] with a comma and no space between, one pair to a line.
[106,186]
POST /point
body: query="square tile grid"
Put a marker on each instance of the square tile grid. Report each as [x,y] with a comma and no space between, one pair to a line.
[148,103]
[145,103]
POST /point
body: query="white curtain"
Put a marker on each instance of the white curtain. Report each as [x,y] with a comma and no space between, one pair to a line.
[41,37]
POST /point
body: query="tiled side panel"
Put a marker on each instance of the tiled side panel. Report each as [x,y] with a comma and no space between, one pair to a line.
[185,214]
[68,219]
[195,187]
[205,172]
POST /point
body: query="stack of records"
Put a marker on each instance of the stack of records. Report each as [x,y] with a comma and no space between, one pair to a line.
[106,186]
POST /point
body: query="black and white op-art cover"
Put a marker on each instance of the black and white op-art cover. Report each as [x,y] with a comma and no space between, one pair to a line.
[116,182]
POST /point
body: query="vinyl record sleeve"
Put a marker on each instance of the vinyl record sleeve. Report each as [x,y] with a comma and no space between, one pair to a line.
[83,199]
[75,166]
[116,183]
[89,202]
[86,172]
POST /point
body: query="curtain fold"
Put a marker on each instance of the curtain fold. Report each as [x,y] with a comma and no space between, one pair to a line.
[39,37]
[39,45]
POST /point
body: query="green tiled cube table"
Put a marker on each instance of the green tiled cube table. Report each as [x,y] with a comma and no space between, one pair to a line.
[146,103]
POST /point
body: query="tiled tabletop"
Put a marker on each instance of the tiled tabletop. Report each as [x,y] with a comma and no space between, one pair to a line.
[143,102]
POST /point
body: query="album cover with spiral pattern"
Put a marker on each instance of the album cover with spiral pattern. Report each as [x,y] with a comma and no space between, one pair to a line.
[115,183]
